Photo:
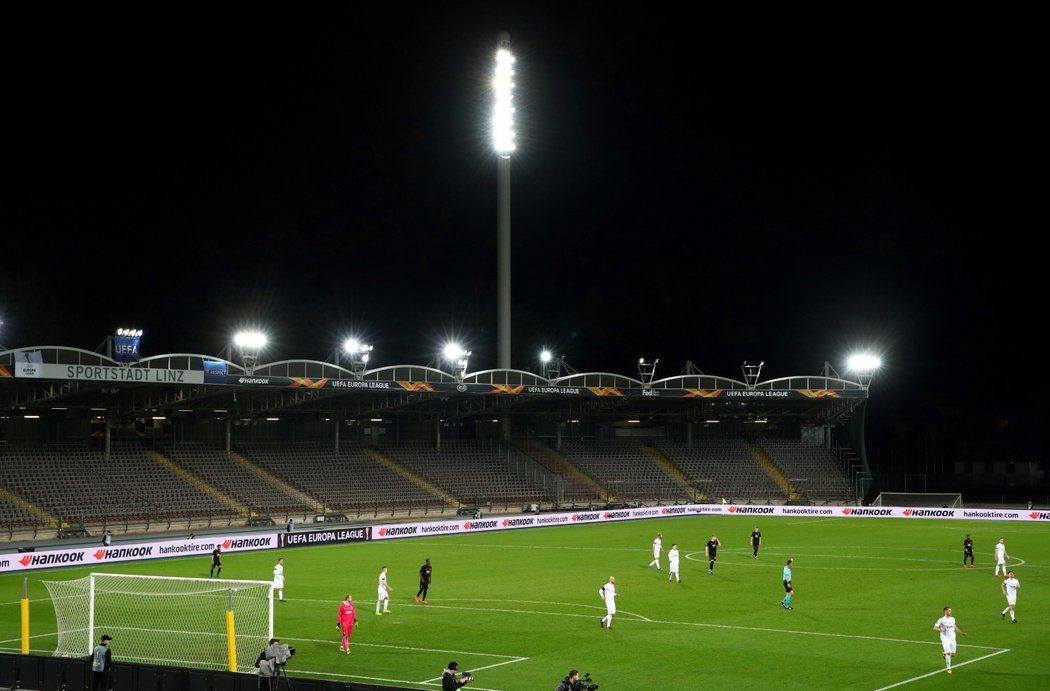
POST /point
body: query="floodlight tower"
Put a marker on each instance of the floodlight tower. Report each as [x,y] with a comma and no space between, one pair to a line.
[864,366]
[249,344]
[503,142]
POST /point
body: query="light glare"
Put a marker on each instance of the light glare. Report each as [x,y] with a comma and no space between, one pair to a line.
[864,362]
[253,340]
[545,356]
[503,111]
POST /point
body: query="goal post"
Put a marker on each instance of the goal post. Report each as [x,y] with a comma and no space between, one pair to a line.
[931,500]
[198,622]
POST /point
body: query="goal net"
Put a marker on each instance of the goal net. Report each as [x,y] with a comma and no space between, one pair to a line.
[926,500]
[163,620]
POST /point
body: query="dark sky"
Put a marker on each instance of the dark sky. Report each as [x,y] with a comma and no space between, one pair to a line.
[699,186]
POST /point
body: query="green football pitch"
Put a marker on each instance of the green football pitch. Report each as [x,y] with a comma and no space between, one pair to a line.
[520,608]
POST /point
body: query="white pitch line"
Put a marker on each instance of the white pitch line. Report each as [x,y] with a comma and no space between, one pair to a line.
[407,647]
[941,671]
[532,602]
[478,669]
[38,635]
[389,681]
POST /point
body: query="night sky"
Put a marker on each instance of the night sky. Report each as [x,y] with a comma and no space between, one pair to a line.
[702,186]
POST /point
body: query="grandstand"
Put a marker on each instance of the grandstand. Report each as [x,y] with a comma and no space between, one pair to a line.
[169,447]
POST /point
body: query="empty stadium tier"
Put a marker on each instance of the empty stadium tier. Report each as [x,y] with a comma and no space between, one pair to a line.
[723,468]
[625,470]
[814,471]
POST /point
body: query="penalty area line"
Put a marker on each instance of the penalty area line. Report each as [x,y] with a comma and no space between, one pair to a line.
[478,669]
[942,671]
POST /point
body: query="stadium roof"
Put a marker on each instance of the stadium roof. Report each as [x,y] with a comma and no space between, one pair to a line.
[63,376]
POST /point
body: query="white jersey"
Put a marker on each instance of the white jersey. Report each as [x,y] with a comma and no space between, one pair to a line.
[947,626]
[657,545]
[1011,586]
[382,586]
[608,593]
[1000,553]
[672,557]
[278,576]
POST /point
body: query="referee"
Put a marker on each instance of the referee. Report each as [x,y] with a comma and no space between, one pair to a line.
[786,602]
[424,581]
[216,561]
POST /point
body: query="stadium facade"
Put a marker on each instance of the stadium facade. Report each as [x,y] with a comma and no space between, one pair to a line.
[435,437]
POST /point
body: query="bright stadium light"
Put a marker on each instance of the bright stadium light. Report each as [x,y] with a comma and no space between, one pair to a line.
[863,362]
[358,353]
[504,145]
[864,366]
[503,105]
[457,357]
[251,340]
[545,356]
[249,343]
[453,351]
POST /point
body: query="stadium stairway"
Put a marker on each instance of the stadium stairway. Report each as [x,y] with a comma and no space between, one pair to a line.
[557,463]
[200,484]
[272,480]
[414,479]
[673,470]
[30,508]
[774,472]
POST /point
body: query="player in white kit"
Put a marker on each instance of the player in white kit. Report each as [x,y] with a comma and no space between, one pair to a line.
[278,578]
[608,593]
[383,593]
[672,563]
[1010,586]
[948,628]
[657,548]
[1000,557]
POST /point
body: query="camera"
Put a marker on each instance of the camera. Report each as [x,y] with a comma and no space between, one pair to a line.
[273,658]
[585,684]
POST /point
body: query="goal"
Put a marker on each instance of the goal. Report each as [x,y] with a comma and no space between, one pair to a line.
[165,620]
[932,500]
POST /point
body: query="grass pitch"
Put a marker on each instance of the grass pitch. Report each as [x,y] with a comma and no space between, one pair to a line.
[520,608]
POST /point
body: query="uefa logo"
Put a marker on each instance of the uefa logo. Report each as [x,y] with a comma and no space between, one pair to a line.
[462,388]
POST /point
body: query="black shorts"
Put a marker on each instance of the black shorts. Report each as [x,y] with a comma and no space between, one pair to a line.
[787,587]
[755,544]
[967,552]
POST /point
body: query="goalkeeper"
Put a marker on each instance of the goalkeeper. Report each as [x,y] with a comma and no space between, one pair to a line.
[346,621]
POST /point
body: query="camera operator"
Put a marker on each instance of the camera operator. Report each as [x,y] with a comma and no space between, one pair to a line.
[569,682]
[449,682]
[270,662]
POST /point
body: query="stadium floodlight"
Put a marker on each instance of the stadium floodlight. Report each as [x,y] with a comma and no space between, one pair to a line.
[864,366]
[130,333]
[457,357]
[545,356]
[249,344]
[863,362]
[503,105]
[504,145]
[647,370]
[358,353]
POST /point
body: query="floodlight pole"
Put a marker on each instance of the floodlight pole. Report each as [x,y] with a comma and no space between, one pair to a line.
[503,246]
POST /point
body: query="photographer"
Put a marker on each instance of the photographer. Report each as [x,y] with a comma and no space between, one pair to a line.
[449,681]
[569,682]
[270,662]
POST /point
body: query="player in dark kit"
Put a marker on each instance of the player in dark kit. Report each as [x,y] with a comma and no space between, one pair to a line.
[216,561]
[424,581]
[968,552]
[712,554]
[756,541]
